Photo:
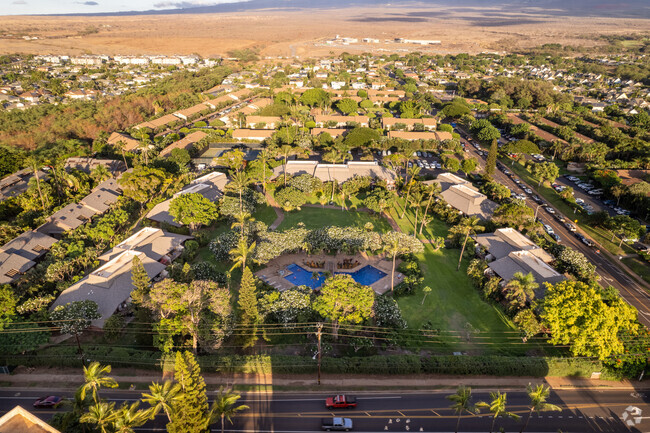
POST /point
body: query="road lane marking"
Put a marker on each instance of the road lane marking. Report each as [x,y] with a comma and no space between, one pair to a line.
[435,412]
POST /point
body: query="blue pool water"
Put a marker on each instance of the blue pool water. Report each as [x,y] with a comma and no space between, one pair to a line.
[301,277]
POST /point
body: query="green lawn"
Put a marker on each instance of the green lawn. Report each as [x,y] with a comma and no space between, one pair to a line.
[639,266]
[316,217]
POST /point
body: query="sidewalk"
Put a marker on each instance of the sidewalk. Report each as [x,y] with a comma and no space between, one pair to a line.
[267,383]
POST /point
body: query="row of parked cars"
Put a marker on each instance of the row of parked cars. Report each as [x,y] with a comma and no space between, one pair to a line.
[587,187]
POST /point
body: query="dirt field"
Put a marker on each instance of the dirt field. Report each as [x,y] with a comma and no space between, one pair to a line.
[282,33]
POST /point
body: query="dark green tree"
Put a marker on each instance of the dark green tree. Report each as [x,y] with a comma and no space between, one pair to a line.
[140,280]
[491,161]
[248,307]
[190,407]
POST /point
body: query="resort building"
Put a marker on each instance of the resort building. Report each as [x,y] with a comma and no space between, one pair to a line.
[463,196]
[338,172]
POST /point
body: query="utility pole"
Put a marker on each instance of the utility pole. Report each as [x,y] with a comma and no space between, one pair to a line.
[319,333]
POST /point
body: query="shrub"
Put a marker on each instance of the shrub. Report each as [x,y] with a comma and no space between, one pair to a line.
[387,313]
[113,327]
[222,245]
[306,183]
[290,198]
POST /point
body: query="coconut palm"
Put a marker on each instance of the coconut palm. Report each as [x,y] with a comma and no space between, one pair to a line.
[264,156]
[335,156]
[35,165]
[241,253]
[239,181]
[101,414]
[412,171]
[160,397]
[434,189]
[225,406]
[462,402]
[129,417]
[95,376]
[417,200]
[120,145]
[469,225]
[144,148]
[497,407]
[285,151]
[100,173]
[538,396]
[522,287]
[241,221]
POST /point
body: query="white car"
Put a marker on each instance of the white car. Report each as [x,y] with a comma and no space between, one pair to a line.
[549,209]
[548,229]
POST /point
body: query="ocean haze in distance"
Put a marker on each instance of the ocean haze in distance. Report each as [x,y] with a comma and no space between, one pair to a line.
[579,8]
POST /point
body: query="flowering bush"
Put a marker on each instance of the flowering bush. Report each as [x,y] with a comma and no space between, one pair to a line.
[290,198]
[387,313]
[306,183]
[222,245]
[291,306]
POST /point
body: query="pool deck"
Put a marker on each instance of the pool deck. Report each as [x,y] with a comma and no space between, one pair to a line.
[276,270]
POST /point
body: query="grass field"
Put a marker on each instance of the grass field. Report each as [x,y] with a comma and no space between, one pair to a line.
[316,217]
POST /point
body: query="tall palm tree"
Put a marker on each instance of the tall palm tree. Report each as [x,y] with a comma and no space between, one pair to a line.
[161,397]
[120,145]
[143,147]
[412,171]
[285,151]
[497,407]
[335,156]
[35,164]
[241,253]
[225,407]
[101,414]
[128,417]
[95,376]
[469,225]
[241,220]
[239,181]
[417,200]
[100,173]
[522,286]
[434,190]
[462,402]
[264,156]
[538,396]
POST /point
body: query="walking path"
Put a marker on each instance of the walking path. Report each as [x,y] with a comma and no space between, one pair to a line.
[278,211]
[71,378]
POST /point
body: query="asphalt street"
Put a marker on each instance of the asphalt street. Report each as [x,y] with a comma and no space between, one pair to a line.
[610,274]
[583,410]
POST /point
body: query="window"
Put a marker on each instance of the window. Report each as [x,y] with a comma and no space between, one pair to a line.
[12,273]
[39,248]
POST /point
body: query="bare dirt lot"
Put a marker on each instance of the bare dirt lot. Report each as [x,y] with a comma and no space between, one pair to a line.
[291,33]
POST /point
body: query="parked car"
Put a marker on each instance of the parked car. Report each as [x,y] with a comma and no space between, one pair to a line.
[560,218]
[336,424]
[570,227]
[537,199]
[48,402]
[549,210]
[341,401]
[556,237]
[548,229]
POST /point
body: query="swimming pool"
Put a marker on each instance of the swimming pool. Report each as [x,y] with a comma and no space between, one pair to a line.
[301,277]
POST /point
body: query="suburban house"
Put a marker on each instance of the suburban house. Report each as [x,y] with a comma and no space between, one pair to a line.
[18,182]
[130,144]
[339,172]
[74,215]
[463,196]
[252,134]
[87,164]
[324,121]
[159,122]
[191,111]
[510,252]
[20,254]
[412,135]
[19,420]
[263,122]
[427,123]
[210,186]
[334,132]
[110,285]
[184,143]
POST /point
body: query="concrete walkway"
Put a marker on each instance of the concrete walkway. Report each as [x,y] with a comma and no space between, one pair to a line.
[279,213]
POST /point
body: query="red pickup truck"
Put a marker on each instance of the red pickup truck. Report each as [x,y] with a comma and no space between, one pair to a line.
[341,402]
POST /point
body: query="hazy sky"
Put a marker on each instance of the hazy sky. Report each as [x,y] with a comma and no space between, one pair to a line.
[31,7]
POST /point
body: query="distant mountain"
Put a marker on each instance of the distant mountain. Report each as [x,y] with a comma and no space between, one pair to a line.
[586,8]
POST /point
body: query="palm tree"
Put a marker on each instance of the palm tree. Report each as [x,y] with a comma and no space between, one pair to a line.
[434,190]
[120,145]
[144,148]
[224,407]
[95,377]
[128,417]
[522,286]
[35,164]
[416,201]
[241,219]
[264,157]
[335,156]
[102,414]
[239,181]
[412,171]
[538,396]
[462,401]
[469,225]
[285,151]
[241,253]
[498,407]
[100,173]
[160,397]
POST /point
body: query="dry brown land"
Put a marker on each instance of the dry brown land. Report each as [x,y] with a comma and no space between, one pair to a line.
[282,33]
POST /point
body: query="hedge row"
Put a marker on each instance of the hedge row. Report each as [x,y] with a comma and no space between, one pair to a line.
[66,356]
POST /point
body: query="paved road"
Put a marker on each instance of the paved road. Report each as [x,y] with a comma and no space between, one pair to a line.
[582,410]
[610,274]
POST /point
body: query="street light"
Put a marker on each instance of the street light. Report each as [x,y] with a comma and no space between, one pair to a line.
[536,209]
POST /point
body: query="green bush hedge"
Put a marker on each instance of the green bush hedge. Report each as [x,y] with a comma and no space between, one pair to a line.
[119,357]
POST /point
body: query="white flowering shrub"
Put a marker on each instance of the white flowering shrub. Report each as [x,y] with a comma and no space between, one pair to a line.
[387,313]
[222,245]
[306,183]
